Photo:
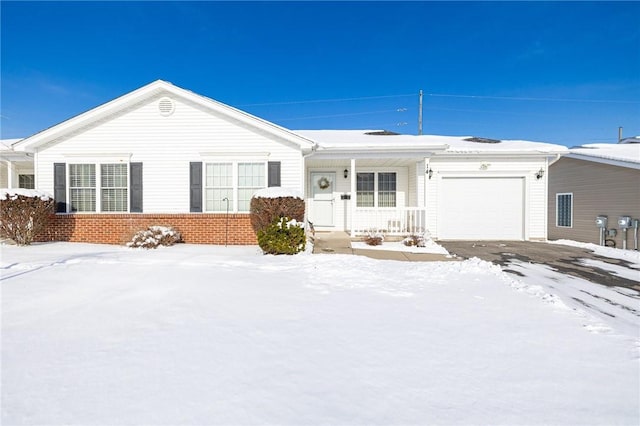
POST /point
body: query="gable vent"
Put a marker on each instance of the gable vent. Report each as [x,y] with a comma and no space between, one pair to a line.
[166,106]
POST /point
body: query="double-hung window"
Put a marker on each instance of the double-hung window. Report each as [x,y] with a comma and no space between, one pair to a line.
[251,177]
[102,187]
[26,181]
[114,189]
[376,189]
[365,189]
[564,210]
[219,186]
[232,185]
[82,187]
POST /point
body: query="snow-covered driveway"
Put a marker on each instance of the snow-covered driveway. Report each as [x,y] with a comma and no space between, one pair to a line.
[95,334]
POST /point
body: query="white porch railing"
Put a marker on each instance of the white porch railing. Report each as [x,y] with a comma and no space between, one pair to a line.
[390,221]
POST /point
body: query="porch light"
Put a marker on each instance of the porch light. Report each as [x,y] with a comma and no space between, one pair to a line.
[429,172]
[540,173]
[346,173]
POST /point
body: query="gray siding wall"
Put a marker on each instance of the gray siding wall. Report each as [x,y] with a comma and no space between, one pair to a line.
[598,189]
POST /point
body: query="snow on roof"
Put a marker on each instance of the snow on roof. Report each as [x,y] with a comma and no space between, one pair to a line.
[373,139]
[627,152]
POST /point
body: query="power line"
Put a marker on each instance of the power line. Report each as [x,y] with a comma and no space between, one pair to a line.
[515,98]
[343,115]
[328,100]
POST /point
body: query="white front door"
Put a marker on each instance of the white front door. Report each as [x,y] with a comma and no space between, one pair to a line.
[322,187]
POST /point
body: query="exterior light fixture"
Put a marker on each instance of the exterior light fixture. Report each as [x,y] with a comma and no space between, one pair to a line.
[540,173]
[346,173]
[429,172]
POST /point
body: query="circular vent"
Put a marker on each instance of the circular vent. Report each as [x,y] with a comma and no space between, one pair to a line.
[166,106]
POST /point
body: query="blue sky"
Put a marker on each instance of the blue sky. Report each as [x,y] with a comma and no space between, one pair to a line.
[561,72]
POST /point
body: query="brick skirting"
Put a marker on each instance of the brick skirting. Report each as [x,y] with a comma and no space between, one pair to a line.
[195,228]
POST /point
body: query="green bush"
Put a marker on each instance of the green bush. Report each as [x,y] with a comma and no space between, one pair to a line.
[282,236]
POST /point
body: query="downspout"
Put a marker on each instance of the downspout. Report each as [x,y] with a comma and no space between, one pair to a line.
[304,180]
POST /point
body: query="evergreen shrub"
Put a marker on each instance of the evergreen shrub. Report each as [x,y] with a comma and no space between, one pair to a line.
[282,236]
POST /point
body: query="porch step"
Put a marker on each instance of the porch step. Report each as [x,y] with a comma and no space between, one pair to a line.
[340,243]
[332,242]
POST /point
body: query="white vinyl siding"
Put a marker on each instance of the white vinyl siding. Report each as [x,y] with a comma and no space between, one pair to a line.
[166,145]
[564,210]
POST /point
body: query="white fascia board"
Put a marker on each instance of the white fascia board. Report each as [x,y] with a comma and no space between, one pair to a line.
[157,87]
[77,122]
[611,162]
[376,152]
[499,154]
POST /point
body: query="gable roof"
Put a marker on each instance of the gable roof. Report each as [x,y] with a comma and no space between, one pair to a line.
[621,154]
[152,89]
[7,153]
[342,141]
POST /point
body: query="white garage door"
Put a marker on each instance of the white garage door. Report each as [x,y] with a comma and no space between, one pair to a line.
[481,209]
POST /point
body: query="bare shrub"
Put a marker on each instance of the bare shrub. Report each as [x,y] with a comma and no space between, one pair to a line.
[374,238]
[265,210]
[24,214]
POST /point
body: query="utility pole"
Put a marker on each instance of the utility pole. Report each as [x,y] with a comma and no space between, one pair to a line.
[420,114]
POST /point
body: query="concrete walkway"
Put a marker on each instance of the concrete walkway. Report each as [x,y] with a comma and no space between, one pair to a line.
[340,243]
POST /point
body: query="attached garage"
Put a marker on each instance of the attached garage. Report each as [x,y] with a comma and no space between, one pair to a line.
[481,208]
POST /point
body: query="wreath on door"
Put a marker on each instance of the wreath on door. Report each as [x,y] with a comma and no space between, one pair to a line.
[323,183]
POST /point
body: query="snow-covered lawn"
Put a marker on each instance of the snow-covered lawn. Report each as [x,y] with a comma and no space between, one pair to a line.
[104,335]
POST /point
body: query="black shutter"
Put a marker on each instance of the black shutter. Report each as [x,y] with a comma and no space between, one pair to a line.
[60,186]
[195,187]
[274,173]
[135,196]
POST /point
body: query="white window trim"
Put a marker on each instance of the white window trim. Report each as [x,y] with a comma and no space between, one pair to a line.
[558,210]
[376,189]
[233,208]
[98,187]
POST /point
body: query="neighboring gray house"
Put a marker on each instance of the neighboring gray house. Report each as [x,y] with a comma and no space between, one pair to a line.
[594,180]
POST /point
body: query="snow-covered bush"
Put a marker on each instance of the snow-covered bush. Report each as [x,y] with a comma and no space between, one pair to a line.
[24,213]
[270,204]
[374,238]
[415,240]
[282,236]
[154,236]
